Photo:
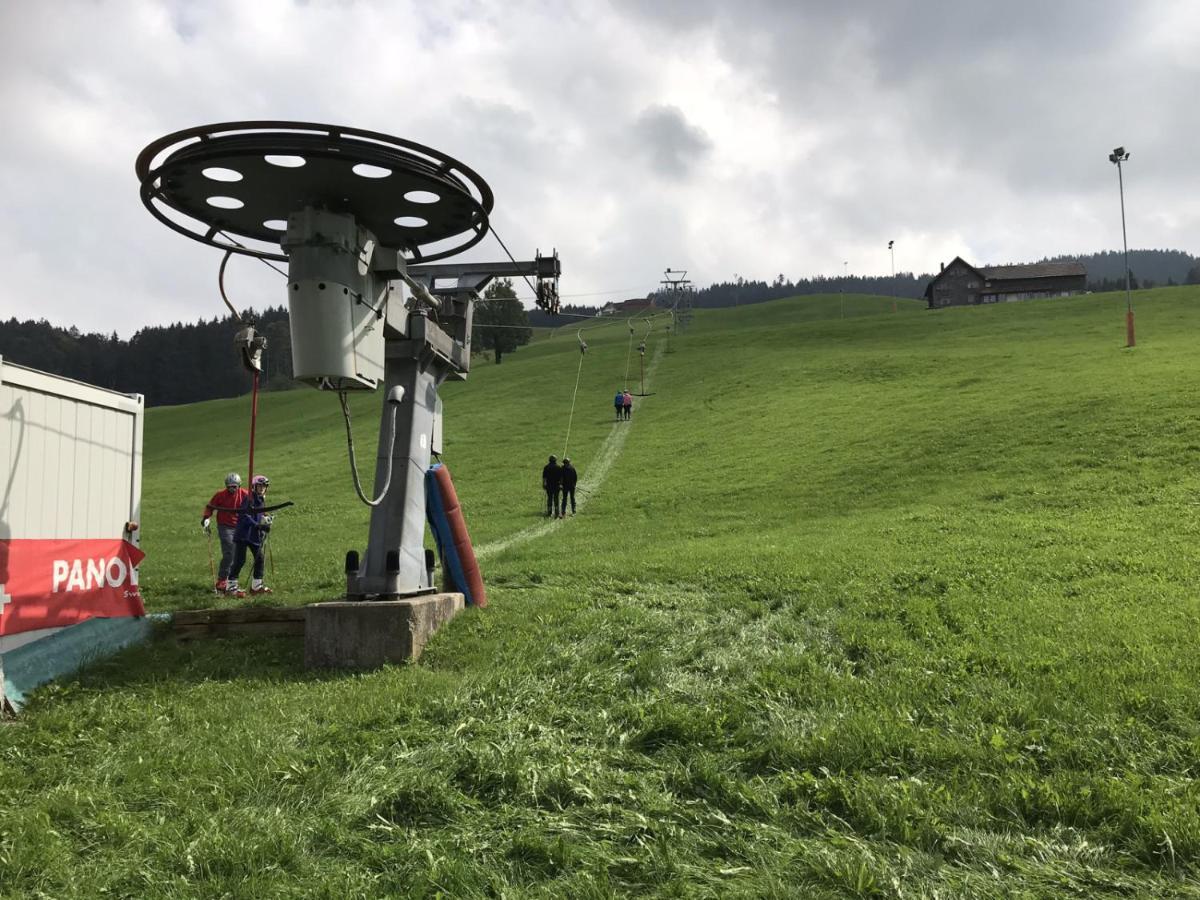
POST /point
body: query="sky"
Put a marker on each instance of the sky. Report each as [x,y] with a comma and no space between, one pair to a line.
[753,139]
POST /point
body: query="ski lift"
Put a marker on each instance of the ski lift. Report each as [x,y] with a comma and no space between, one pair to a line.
[546,295]
[250,346]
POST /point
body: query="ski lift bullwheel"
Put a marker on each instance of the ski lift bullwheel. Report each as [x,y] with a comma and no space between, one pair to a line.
[233,185]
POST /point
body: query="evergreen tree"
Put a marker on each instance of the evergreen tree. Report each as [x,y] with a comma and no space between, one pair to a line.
[500,323]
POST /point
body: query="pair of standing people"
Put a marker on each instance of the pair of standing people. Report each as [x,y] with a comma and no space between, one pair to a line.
[241,528]
[623,404]
[559,484]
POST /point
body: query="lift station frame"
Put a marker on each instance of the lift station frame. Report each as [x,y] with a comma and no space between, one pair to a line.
[363,221]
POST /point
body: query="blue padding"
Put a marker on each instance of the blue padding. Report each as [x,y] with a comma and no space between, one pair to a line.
[435,513]
[33,664]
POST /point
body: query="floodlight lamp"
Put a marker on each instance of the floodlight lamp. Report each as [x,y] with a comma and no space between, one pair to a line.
[890,244]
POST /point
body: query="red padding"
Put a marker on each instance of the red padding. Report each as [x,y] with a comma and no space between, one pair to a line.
[458,531]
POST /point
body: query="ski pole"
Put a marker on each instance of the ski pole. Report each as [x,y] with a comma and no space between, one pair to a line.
[270,555]
[212,570]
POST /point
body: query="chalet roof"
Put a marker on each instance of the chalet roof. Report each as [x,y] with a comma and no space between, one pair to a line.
[1033,270]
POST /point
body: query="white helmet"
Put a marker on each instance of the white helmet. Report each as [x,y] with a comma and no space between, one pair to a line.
[233,479]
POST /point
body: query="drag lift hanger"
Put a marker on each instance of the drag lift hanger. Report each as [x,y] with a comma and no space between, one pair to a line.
[364,221]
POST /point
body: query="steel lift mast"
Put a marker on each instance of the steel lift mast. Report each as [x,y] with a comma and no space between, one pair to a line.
[680,289]
[360,218]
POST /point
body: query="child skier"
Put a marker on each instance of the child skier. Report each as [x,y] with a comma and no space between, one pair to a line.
[252,528]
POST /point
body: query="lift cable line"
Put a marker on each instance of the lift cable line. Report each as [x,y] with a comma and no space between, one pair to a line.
[546,293]
[265,262]
[504,247]
[565,297]
[250,347]
[628,357]
[221,285]
[575,394]
[628,290]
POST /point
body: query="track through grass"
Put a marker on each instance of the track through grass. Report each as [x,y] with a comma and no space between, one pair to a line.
[609,450]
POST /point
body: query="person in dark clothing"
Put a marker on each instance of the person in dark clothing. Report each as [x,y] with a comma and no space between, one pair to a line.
[552,485]
[252,528]
[569,478]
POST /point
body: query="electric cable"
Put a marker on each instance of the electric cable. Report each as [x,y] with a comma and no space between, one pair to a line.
[568,296]
[387,482]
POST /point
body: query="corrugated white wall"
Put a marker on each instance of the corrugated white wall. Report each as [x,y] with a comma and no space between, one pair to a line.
[72,456]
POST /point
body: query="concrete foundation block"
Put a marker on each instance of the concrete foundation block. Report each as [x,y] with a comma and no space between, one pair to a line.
[366,634]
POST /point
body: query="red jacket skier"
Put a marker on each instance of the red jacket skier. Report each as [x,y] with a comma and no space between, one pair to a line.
[226,504]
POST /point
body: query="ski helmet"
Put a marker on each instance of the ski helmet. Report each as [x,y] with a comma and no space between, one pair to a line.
[260,479]
[233,479]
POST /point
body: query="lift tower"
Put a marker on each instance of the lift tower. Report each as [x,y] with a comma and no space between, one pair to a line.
[364,222]
[679,291]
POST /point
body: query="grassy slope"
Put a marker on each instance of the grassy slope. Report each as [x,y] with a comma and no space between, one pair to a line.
[891,603]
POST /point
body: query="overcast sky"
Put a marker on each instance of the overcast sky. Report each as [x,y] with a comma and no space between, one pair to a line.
[752,138]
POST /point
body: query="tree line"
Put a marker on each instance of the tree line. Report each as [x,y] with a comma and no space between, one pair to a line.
[168,364]
[193,361]
[1147,269]
[744,291]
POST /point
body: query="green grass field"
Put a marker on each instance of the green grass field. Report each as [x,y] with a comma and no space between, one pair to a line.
[891,605]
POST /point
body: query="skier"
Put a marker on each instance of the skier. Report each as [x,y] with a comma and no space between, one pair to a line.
[627,403]
[552,485]
[619,404]
[225,503]
[252,528]
[569,479]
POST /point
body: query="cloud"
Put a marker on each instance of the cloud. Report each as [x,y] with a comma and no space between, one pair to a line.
[672,146]
[769,136]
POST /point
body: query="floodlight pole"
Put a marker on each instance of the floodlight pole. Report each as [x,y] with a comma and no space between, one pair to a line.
[892,250]
[842,292]
[1118,156]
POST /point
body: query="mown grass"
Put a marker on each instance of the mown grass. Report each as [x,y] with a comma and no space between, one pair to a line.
[891,605]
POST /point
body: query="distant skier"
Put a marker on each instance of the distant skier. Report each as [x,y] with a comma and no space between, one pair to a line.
[252,528]
[627,404]
[225,504]
[619,405]
[569,479]
[552,485]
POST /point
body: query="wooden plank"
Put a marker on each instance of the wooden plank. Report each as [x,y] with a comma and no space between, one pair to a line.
[245,615]
[258,629]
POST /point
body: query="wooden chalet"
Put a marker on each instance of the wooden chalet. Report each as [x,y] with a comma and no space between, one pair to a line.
[962,284]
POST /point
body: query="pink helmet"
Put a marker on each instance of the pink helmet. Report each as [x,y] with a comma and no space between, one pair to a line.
[260,479]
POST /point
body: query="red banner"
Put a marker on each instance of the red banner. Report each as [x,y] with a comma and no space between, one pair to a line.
[48,584]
